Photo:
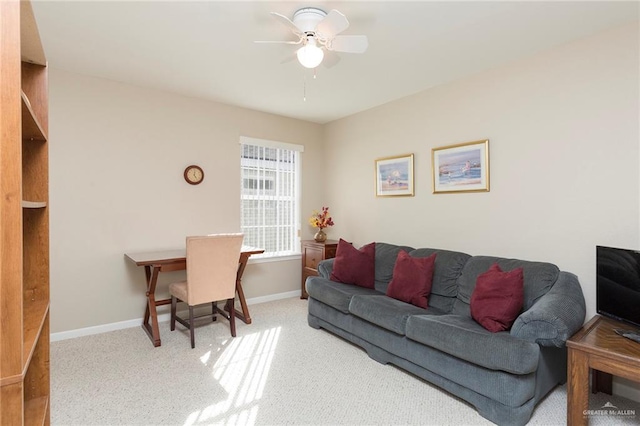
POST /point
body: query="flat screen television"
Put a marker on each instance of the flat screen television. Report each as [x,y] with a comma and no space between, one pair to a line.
[618,284]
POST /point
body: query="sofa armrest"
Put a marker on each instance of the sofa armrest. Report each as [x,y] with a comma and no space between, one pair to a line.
[325,267]
[554,317]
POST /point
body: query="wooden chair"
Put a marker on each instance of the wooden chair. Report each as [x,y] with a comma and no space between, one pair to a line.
[212,267]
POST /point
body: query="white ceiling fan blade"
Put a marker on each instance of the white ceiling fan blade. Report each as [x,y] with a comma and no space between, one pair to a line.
[288,23]
[277,42]
[334,23]
[349,44]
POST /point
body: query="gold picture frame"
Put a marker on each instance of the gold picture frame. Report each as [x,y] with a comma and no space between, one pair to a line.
[462,167]
[394,176]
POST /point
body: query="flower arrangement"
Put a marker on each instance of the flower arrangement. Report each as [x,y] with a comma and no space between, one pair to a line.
[321,219]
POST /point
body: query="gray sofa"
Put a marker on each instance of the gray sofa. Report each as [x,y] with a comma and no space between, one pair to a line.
[505,374]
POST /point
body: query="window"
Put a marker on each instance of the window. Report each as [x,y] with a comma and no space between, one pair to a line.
[269,193]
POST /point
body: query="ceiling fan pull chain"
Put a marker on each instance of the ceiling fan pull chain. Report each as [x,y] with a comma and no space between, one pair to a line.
[304,88]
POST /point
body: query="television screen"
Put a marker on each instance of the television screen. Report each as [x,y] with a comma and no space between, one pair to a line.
[618,284]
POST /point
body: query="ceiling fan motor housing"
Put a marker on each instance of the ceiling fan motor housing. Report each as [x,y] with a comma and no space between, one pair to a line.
[307,18]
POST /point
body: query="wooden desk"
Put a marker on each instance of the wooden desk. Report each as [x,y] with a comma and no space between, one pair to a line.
[596,346]
[176,260]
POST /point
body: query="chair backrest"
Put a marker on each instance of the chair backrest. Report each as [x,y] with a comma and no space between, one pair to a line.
[212,266]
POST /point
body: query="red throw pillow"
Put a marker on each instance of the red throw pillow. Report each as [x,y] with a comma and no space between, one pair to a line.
[353,266]
[497,299]
[412,279]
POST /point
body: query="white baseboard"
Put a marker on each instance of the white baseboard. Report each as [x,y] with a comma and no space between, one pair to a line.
[626,388]
[104,328]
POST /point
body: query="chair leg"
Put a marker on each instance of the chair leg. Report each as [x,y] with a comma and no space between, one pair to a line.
[191,327]
[232,316]
[174,302]
[213,311]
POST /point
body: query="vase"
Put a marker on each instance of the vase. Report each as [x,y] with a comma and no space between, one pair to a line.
[320,236]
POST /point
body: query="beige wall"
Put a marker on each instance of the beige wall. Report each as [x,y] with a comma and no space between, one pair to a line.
[117,155]
[564,139]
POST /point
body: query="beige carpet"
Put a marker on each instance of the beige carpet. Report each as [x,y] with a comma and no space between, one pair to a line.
[277,371]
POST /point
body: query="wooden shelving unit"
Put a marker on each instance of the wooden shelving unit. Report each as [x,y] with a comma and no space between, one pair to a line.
[24,220]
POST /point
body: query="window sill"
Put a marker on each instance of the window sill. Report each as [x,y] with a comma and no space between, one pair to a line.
[256,259]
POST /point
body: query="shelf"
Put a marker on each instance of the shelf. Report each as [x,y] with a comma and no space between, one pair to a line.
[25,385]
[31,45]
[33,204]
[34,317]
[31,127]
[35,411]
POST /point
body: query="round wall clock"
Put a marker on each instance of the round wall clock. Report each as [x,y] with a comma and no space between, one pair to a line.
[193,175]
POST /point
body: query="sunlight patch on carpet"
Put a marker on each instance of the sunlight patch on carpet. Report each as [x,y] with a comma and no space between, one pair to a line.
[242,370]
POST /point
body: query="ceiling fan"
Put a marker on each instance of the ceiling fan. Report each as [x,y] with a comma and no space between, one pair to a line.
[317,30]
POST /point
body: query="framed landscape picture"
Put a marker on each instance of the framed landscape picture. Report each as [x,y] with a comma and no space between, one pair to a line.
[394,176]
[461,168]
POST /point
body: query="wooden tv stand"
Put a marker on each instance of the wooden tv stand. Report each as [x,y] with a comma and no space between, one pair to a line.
[598,348]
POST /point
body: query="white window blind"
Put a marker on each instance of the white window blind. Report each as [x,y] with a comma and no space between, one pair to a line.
[269,188]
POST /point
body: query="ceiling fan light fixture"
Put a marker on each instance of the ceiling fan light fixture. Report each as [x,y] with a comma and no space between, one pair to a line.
[310,55]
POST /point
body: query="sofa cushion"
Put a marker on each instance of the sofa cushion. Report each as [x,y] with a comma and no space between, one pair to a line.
[335,294]
[447,270]
[412,278]
[496,301]
[386,312]
[386,255]
[353,266]
[539,277]
[463,338]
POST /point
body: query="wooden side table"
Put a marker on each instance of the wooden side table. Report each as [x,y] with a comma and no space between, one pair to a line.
[596,346]
[312,253]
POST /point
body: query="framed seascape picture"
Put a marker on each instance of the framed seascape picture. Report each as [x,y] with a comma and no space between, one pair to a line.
[394,176]
[461,168]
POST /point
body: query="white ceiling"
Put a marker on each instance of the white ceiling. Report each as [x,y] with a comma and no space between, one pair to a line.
[206,49]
